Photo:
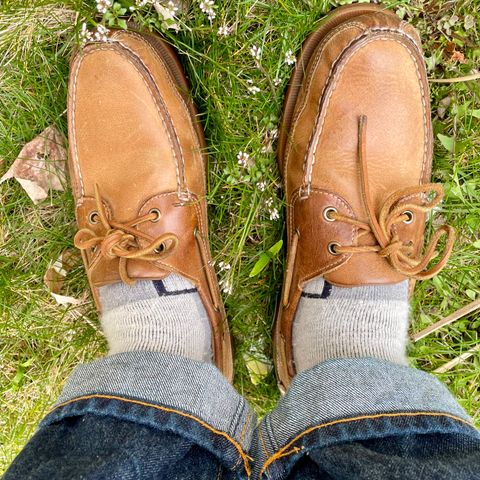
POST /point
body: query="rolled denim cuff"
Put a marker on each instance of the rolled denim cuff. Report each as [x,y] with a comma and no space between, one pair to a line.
[346,400]
[168,392]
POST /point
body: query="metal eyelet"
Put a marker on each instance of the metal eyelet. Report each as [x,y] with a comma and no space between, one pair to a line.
[327,212]
[331,248]
[93,217]
[157,212]
[160,249]
[94,249]
[410,218]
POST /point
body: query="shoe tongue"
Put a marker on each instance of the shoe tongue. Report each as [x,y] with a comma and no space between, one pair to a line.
[106,271]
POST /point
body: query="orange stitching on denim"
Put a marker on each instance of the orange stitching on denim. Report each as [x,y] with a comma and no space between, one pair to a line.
[283,452]
[262,441]
[244,429]
[243,455]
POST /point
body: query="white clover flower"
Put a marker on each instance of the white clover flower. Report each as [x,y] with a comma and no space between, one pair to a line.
[290,58]
[104,5]
[244,159]
[223,31]
[256,52]
[262,186]
[274,215]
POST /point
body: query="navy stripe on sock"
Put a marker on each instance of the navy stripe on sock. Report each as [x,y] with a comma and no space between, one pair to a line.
[327,290]
[163,292]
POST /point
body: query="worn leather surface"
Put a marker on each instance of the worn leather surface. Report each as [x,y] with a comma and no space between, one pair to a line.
[133,133]
[370,65]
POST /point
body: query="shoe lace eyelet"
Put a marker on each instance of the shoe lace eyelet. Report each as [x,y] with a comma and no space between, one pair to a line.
[410,216]
[327,214]
[158,214]
[331,247]
[160,249]
[93,217]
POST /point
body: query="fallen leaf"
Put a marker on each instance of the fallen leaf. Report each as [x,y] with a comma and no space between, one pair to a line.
[41,165]
[449,48]
[458,57]
[58,270]
[65,300]
[258,367]
[469,22]
[442,106]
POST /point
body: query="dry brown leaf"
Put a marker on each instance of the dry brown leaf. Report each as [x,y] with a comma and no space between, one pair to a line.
[41,165]
[56,273]
[55,276]
[458,57]
[65,300]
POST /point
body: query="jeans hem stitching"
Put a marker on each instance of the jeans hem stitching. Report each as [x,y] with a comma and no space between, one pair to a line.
[246,459]
[284,451]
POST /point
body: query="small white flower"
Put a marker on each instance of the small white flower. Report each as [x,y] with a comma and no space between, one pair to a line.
[290,58]
[226,286]
[223,31]
[101,34]
[256,52]
[104,5]
[244,159]
[269,202]
[252,88]
[224,266]
[168,11]
[277,82]
[172,8]
[142,3]
[131,8]
[85,34]
[274,215]
[206,6]
[262,186]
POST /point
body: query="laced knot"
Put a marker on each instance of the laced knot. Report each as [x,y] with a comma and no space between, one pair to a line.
[121,240]
[401,255]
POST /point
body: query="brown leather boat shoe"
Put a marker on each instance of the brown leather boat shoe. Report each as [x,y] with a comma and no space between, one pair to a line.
[355,151]
[138,171]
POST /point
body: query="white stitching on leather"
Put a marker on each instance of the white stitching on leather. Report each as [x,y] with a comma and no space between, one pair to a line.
[208,268]
[317,131]
[74,143]
[187,116]
[307,80]
[111,49]
[338,262]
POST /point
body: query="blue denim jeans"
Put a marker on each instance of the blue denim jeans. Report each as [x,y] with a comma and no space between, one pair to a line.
[147,415]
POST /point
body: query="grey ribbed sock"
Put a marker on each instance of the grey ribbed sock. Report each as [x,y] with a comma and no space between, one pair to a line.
[334,322]
[161,315]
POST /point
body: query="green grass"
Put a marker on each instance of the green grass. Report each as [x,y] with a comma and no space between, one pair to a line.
[41,342]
